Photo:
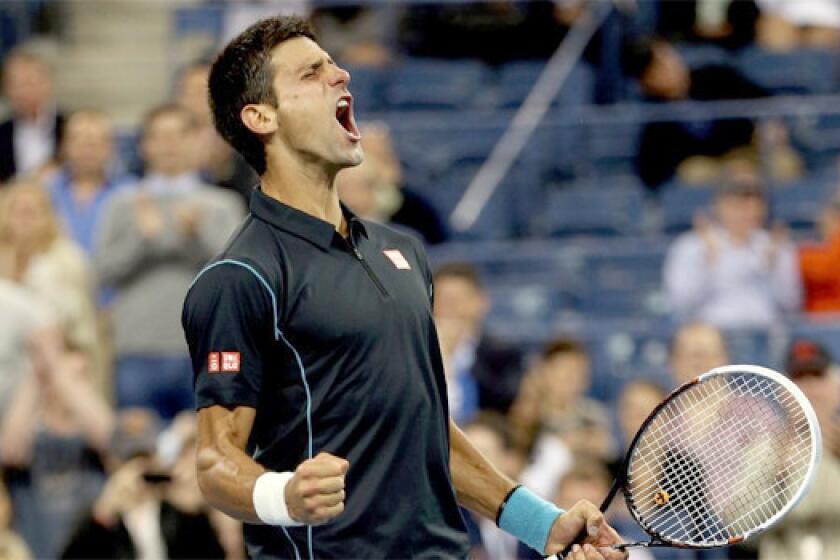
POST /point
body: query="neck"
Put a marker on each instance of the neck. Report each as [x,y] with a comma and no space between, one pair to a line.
[305,186]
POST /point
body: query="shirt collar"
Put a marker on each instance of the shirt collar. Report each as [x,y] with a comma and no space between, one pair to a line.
[301,224]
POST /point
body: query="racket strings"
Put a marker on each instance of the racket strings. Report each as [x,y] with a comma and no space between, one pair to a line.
[719,460]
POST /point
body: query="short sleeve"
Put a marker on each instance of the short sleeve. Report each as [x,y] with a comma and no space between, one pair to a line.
[228,320]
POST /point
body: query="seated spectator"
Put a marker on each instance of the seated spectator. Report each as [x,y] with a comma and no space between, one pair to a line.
[810,529]
[35,253]
[490,433]
[355,35]
[373,189]
[554,420]
[146,509]
[12,546]
[699,151]
[154,239]
[695,349]
[217,163]
[820,263]
[30,138]
[730,24]
[637,400]
[86,180]
[493,31]
[730,271]
[50,440]
[483,371]
[25,317]
[789,24]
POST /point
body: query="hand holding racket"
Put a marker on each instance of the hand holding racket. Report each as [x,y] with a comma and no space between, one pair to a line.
[720,460]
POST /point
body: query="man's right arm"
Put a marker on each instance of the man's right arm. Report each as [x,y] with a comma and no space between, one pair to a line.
[229,325]
[227,475]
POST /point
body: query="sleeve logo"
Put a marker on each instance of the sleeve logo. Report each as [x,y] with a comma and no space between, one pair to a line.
[230,362]
[223,362]
[397,259]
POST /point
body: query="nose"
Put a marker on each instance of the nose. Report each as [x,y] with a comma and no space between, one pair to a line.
[341,77]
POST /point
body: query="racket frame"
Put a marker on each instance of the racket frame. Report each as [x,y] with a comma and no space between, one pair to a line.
[620,483]
[816,454]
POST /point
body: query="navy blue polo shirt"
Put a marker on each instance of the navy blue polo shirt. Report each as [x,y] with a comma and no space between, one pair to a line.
[332,341]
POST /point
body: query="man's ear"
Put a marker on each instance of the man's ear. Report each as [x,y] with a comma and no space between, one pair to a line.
[259,118]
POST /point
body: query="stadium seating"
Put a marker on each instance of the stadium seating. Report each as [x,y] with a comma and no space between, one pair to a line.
[681,203]
[800,71]
[580,210]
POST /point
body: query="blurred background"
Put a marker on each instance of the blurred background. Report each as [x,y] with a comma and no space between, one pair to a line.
[616,195]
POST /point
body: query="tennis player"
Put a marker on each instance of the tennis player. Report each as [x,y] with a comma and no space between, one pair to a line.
[323,422]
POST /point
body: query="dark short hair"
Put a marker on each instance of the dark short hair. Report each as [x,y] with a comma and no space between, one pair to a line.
[563,345]
[636,56]
[166,109]
[462,270]
[242,74]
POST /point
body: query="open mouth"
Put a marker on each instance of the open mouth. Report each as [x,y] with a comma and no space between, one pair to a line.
[344,116]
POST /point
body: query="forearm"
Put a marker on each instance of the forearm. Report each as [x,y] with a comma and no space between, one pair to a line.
[18,425]
[479,486]
[226,474]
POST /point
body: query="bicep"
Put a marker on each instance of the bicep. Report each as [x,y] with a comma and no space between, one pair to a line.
[220,426]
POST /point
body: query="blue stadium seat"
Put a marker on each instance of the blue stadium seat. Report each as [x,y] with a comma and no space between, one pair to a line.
[680,203]
[624,278]
[799,204]
[622,350]
[367,85]
[203,19]
[594,211]
[518,78]
[696,56]
[435,84]
[801,71]
[825,330]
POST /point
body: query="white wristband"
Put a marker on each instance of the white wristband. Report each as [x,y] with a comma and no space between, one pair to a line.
[270,499]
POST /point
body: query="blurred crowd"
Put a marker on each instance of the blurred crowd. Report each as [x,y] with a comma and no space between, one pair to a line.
[97,426]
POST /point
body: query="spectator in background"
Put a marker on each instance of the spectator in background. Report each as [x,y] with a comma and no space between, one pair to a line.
[30,138]
[697,151]
[24,317]
[12,546]
[695,349]
[728,23]
[820,263]
[35,253]
[483,372]
[154,239]
[217,163]
[86,180]
[785,25]
[490,433]
[810,529]
[730,271]
[637,400]
[554,420]
[50,439]
[495,32]
[356,35]
[374,190]
[147,509]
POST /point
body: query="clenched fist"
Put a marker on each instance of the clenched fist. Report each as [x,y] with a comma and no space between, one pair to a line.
[315,494]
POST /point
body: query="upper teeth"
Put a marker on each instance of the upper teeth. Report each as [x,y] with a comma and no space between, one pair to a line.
[343,103]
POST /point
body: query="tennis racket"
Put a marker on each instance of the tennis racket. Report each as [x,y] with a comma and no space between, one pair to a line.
[721,460]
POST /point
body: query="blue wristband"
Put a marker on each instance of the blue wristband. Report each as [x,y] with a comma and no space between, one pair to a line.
[529,518]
